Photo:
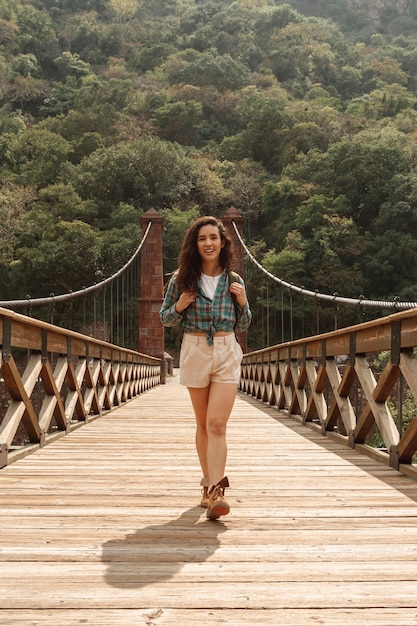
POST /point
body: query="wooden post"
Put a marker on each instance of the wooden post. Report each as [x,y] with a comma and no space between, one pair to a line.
[151,331]
[233,215]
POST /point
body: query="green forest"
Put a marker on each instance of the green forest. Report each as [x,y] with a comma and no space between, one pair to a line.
[302,115]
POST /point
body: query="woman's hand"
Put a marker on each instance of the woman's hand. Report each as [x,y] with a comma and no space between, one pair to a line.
[240,292]
[184,301]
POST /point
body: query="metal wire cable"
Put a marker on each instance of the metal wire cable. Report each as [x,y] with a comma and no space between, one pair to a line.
[10,304]
[361,302]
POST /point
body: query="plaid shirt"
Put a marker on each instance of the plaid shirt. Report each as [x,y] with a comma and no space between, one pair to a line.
[205,315]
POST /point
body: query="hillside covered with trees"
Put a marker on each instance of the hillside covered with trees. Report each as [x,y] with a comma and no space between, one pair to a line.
[300,114]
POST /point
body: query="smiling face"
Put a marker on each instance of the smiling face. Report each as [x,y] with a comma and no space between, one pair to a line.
[209,244]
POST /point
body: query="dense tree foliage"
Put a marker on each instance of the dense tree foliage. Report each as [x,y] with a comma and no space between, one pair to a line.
[303,115]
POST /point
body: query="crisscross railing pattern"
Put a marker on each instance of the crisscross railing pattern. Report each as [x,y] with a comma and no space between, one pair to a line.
[329,382]
[57,379]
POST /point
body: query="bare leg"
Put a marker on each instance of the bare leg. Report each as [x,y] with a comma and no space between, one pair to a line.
[212,407]
[221,400]
[199,400]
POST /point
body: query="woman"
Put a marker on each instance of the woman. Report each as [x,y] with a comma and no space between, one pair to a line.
[210,307]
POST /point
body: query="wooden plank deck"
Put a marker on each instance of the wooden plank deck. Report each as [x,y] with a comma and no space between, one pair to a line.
[103,527]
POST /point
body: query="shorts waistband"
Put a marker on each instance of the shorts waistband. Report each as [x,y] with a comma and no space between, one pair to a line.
[220,333]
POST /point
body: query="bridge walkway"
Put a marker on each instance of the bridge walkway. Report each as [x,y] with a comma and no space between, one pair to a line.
[103,527]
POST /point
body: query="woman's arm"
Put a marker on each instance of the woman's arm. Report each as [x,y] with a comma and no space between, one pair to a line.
[168,313]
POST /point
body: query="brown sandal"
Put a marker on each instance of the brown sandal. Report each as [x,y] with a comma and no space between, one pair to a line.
[204,482]
[217,503]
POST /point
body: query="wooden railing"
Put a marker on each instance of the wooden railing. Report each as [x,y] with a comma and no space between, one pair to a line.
[54,380]
[331,383]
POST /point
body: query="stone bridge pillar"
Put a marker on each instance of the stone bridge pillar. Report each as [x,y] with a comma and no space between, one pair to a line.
[233,215]
[151,331]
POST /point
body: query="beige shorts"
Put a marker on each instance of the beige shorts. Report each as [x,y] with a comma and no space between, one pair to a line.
[201,364]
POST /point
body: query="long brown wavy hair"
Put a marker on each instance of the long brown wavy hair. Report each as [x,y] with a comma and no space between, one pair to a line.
[189,259]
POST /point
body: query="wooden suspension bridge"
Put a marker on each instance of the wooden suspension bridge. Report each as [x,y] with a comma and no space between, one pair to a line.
[99,516]
[103,527]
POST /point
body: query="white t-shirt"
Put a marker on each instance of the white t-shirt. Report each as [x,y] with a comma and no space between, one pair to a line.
[209,284]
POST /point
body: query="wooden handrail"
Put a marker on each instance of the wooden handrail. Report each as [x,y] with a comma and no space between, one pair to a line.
[328,382]
[58,379]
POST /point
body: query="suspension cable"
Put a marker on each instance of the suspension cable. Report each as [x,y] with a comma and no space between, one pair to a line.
[81,292]
[361,302]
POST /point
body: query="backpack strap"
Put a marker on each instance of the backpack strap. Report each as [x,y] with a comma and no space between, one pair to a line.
[235,278]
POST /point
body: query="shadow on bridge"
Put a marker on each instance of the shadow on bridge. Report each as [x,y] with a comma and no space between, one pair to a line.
[157,552]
